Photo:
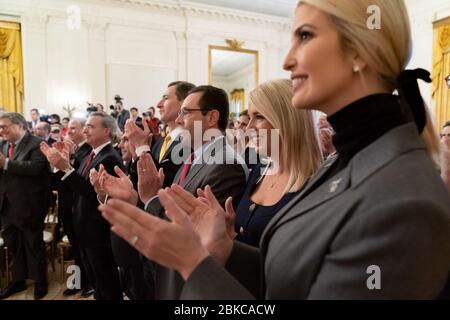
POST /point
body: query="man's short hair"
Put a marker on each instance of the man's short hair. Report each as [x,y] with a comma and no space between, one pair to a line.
[81,121]
[447,124]
[56,116]
[182,89]
[214,98]
[133,108]
[107,122]
[15,118]
[35,110]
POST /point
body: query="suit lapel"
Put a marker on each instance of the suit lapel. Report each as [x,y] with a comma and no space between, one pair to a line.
[95,161]
[156,149]
[195,169]
[310,184]
[207,154]
[5,148]
[169,150]
[22,146]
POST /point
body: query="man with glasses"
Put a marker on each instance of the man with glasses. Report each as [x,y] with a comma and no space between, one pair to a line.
[24,201]
[203,118]
[445,154]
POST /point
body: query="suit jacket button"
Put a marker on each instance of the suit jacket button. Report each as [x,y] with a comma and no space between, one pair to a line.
[241,231]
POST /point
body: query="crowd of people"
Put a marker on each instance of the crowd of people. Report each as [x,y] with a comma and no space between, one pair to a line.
[280,204]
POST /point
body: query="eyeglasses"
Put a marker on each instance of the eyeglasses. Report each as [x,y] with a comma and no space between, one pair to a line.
[185,111]
[7,126]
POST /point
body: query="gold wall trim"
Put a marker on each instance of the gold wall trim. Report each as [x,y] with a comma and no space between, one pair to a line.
[10,25]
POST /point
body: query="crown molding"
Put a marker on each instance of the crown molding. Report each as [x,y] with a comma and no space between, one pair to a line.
[203,11]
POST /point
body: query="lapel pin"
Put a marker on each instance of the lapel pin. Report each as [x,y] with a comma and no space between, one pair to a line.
[334,185]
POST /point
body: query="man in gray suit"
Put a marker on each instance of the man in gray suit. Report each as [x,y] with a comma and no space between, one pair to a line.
[24,200]
[205,107]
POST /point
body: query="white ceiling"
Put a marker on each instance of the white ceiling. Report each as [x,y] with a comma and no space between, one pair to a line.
[282,8]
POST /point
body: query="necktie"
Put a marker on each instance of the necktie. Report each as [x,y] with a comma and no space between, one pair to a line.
[11,151]
[185,170]
[164,147]
[87,163]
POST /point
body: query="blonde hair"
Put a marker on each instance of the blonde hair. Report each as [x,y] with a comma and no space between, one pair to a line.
[301,155]
[386,51]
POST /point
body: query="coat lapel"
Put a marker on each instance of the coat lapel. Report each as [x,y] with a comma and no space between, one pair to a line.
[19,151]
[208,153]
[95,161]
[169,150]
[5,148]
[310,184]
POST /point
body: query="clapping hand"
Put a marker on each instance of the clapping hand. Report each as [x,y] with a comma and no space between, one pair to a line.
[94,178]
[213,224]
[57,156]
[136,136]
[150,180]
[119,187]
[173,244]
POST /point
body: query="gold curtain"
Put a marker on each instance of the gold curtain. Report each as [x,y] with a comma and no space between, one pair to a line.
[11,67]
[441,68]
[238,100]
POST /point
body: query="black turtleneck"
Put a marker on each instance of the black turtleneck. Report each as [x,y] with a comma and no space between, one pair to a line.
[361,123]
[364,121]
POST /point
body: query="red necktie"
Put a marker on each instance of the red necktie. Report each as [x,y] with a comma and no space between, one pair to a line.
[11,151]
[87,163]
[185,170]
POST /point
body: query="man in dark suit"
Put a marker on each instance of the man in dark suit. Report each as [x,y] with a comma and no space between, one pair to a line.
[122,115]
[92,231]
[24,201]
[66,201]
[206,107]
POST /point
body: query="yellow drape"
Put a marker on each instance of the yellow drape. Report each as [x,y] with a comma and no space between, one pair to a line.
[441,68]
[238,99]
[11,67]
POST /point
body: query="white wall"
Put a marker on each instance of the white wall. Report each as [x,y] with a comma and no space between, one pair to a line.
[422,14]
[133,48]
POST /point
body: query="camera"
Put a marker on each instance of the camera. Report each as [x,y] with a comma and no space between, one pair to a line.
[91,108]
[114,113]
[118,98]
[45,118]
